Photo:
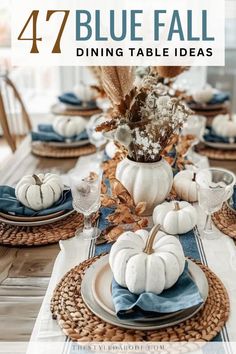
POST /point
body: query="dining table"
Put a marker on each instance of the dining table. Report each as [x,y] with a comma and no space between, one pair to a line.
[28,276]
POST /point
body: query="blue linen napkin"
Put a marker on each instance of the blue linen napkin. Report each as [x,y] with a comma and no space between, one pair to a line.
[10,204]
[72,99]
[219,97]
[46,133]
[212,137]
[184,294]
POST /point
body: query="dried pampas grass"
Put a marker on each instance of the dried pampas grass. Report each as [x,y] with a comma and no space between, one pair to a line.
[117,82]
[168,71]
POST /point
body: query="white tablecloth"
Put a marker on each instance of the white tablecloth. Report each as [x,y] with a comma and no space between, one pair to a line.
[219,255]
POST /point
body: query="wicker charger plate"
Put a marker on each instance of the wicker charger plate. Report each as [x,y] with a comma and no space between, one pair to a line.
[216,154]
[60,109]
[225,220]
[40,235]
[80,324]
[45,150]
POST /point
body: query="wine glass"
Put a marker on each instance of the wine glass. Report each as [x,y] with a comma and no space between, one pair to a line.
[195,125]
[86,200]
[97,138]
[103,103]
[215,186]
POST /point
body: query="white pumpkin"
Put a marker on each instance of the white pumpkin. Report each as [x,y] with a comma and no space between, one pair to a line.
[84,92]
[40,191]
[69,126]
[204,95]
[224,125]
[147,262]
[175,217]
[185,185]
[146,182]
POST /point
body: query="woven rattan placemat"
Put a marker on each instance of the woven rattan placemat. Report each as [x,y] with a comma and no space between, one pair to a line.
[80,324]
[60,109]
[40,235]
[45,150]
[225,220]
[216,154]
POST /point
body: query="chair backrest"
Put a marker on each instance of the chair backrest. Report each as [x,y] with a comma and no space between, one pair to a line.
[14,119]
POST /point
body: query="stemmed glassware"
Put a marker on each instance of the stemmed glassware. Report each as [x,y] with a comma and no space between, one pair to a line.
[97,138]
[215,186]
[86,200]
[103,103]
[195,125]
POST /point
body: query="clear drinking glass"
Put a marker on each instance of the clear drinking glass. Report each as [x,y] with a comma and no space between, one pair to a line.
[97,138]
[215,186]
[86,194]
[195,125]
[103,103]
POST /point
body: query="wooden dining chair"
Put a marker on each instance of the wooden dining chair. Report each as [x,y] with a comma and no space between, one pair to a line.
[14,119]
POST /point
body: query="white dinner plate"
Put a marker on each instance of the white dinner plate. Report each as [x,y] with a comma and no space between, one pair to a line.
[96,293]
[68,144]
[205,106]
[37,222]
[23,218]
[223,146]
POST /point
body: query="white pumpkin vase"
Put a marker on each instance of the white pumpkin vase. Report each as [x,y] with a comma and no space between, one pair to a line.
[146,182]
[175,217]
[147,262]
[40,191]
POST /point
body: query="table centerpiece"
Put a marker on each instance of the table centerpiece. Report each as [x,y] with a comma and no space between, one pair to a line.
[144,120]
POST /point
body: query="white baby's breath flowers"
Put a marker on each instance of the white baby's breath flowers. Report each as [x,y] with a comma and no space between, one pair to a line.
[146,145]
[145,121]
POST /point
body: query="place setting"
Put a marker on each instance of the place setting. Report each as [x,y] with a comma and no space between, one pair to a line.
[219,140]
[65,137]
[110,300]
[209,102]
[146,280]
[81,101]
[37,212]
